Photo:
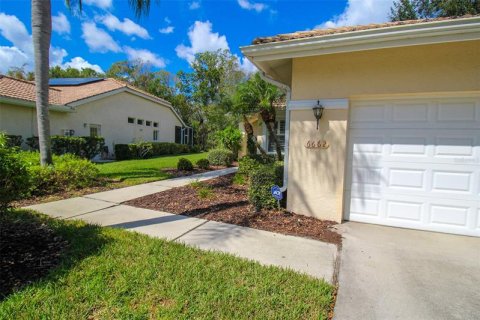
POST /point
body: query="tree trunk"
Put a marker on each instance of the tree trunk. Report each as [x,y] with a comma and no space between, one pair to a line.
[41,35]
[249,130]
[269,120]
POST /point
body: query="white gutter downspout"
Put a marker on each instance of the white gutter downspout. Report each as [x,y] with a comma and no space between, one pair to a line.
[265,77]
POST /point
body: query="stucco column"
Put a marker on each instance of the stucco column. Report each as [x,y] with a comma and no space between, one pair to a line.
[316,175]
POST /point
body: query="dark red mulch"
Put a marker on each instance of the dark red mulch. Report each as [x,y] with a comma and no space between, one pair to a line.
[230,205]
[28,251]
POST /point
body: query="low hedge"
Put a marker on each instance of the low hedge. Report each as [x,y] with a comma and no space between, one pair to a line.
[262,178]
[144,150]
[13,141]
[85,147]
[221,157]
[67,172]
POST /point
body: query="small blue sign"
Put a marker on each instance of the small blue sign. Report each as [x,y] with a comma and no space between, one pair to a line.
[277,193]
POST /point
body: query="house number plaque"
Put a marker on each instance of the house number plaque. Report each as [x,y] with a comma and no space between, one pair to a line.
[320,144]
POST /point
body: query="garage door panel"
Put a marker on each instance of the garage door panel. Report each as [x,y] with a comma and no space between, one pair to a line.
[415,164]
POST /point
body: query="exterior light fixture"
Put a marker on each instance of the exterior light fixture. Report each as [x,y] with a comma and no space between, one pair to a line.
[318,112]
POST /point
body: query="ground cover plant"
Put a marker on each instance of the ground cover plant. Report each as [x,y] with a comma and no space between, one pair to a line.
[107,273]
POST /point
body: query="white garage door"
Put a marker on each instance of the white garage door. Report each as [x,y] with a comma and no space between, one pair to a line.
[415,164]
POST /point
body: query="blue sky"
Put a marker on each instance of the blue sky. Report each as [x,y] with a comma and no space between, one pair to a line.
[106,31]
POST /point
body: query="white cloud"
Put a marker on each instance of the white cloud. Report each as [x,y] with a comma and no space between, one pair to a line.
[126,26]
[12,57]
[257,6]
[21,53]
[167,20]
[360,12]
[145,56]
[98,40]
[103,4]
[166,30]
[246,66]
[201,39]
[60,24]
[12,29]
[194,5]
[80,63]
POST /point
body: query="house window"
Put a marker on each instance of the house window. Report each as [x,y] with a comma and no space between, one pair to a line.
[280,133]
[95,130]
[155,124]
[140,121]
[155,135]
[131,120]
[148,123]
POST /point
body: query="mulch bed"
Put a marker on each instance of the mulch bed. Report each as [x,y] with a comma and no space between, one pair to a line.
[28,251]
[229,204]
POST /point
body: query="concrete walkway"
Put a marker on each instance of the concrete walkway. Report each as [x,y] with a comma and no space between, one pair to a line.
[393,273]
[312,257]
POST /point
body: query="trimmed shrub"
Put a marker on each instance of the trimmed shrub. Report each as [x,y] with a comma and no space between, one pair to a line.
[13,141]
[262,178]
[93,146]
[122,152]
[63,144]
[67,172]
[184,164]
[14,175]
[85,147]
[144,150]
[32,142]
[203,164]
[220,157]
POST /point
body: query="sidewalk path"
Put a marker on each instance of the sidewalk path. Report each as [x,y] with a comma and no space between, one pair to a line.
[308,256]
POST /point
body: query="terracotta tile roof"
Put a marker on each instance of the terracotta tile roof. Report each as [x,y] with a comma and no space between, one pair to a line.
[25,90]
[63,95]
[325,32]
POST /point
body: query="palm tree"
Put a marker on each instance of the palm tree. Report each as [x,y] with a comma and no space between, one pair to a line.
[41,36]
[258,96]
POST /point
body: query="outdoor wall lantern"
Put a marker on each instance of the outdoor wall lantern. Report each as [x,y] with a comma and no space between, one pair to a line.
[318,112]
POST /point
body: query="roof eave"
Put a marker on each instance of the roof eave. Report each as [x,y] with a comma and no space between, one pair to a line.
[380,38]
[31,104]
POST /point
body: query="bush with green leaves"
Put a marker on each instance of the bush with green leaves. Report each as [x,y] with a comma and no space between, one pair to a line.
[85,147]
[142,150]
[262,178]
[184,164]
[230,138]
[14,141]
[14,175]
[67,172]
[203,164]
[220,157]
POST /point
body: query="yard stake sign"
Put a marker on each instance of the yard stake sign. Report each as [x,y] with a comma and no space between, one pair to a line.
[320,144]
[277,194]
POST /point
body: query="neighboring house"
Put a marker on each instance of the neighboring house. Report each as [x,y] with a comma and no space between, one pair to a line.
[93,106]
[400,132]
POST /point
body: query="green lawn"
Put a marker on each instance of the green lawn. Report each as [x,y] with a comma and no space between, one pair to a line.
[115,274]
[146,170]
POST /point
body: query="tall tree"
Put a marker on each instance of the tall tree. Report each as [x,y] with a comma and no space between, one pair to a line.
[258,96]
[426,9]
[41,36]
[209,88]
[403,10]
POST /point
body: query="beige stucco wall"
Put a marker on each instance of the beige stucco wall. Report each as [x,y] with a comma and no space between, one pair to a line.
[111,113]
[432,68]
[316,177]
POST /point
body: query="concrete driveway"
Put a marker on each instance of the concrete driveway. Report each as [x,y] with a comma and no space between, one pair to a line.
[393,273]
